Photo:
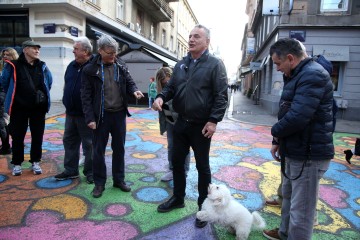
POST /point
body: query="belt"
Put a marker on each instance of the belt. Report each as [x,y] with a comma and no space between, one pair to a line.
[192,120]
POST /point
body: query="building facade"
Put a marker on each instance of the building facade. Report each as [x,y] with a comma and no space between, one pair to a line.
[327,27]
[147,24]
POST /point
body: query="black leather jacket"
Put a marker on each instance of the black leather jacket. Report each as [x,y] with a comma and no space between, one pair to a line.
[305,124]
[91,90]
[200,93]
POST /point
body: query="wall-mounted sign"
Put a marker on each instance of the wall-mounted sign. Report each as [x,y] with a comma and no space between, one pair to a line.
[333,52]
[299,35]
[74,31]
[270,7]
[49,28]
[255,65]
[250,46]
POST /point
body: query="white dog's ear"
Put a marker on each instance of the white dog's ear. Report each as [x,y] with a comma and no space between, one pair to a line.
[218,201]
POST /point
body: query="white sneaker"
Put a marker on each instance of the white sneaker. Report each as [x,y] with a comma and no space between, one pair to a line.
[81,161]
[36,168]
[167,177]
[16,170]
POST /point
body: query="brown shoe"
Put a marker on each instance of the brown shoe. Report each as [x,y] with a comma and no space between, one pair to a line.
[272,234]
[98,190]
[273,203]
[122,185]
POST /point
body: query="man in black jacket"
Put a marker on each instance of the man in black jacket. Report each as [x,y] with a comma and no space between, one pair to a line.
[105,85]
[304,132]
[76,131]
[198,88]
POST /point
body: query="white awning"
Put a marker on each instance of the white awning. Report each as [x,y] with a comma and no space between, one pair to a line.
[170,62]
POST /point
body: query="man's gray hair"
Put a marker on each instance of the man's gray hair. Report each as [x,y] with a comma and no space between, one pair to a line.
[85,44]
[107,41]
[207,31]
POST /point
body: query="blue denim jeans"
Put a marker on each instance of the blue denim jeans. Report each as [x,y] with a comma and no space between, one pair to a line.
[77,132]
[300,198]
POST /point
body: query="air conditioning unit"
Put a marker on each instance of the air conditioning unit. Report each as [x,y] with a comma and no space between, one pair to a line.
[131,26]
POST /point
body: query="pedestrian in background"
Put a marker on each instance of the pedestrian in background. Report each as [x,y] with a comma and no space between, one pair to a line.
[167,119]
[198,88]
[151,92]
[105,85]
[76,131]
[27,83]
[8,54]
[304,132]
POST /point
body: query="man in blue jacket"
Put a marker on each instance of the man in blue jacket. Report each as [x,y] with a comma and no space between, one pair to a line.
[76,131]
[27,83]
[198,88]
[303,135]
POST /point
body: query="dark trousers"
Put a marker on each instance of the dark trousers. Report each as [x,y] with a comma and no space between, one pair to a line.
[6,140]
[188,135]
[20,119]
[77,132]
[113,123]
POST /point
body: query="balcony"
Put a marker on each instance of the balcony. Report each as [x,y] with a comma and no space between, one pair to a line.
[159,10]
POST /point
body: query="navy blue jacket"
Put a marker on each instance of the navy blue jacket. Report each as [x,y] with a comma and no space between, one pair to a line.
[305,123]
[72,86]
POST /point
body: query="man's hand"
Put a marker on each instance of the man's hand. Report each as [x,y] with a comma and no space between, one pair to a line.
[157,105]
[275,152]
[92,125]
[138,94]
[209,129]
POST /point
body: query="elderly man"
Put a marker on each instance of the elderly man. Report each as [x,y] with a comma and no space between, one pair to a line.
[27,105]
[198,88]
[105,85]
[76,131]
[303,135]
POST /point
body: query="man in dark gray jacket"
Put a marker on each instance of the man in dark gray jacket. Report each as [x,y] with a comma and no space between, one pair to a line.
[303,135]
[198,88]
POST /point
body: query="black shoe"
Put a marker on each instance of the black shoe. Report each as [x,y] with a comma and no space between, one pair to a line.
[171,204]
[348,155]
[98,190]
[199,223]
[90,179]
[5,151]
[63,176]
[122,185]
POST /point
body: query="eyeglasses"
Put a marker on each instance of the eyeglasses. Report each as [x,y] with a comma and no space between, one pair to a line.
[109,53]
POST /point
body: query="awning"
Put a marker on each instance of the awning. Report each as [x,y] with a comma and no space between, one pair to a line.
[169,62]
[102,32]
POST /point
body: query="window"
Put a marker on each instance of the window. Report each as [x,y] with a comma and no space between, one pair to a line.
[152,32]
[13,30]
[334,5]
[336,76]
[120,9]
[171,43]
[163,38]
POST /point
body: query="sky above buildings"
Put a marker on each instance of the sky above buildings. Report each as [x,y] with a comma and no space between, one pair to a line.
[226,20]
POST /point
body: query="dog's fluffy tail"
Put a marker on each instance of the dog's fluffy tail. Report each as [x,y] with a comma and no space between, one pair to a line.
[258,221]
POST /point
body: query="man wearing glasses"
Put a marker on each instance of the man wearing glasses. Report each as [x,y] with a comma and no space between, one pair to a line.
[105,85]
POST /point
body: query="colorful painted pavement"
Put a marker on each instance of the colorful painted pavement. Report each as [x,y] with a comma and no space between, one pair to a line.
[39,207]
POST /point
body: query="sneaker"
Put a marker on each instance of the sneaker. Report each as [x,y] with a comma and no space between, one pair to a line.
[272,203]
[16,170]
[167,177]
[63,176]
[36,168]
[5,151]
[81,161]
[348,155]
[272,234]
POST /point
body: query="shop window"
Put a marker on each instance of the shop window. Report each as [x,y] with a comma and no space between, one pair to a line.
[13,30]
[334,5]
[336,76]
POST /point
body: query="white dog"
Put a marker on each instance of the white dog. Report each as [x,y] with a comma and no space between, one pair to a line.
[220,207]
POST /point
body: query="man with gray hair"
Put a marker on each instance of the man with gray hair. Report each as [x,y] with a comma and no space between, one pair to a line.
[76,132]
[198,88]
[105,85]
